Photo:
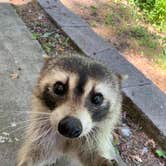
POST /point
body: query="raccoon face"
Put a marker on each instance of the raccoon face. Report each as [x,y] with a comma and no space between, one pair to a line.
[79,94]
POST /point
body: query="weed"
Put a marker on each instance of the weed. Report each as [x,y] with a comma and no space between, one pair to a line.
[48,46]
[143,37]
[154,11]
[35,36]
[66,42]
[160,153]
[93,9]
[93,23]
[161,59]
[109,19]
[139,32]
[47,34]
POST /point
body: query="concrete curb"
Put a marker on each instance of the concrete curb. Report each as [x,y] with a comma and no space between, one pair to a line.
[21,55]
[144,98]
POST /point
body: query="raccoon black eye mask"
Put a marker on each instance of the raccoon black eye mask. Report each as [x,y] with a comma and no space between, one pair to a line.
[75,106]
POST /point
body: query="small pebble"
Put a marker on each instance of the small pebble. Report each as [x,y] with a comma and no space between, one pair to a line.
[13,124]
[5,133]
[125,131]
[16,139]
[2,139]
[144,150]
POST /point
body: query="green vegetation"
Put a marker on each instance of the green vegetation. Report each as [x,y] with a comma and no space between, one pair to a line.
[109,19]
[160,153]
[48,46]
[131,23]
[154,11]
[51,40]
[93,9]
[35,36]
[161,60]
[143,36]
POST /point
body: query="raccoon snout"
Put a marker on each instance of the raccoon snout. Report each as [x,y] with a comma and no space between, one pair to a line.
[70,127]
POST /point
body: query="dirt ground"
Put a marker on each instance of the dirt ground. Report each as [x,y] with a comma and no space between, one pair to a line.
[51,38]
[135,147]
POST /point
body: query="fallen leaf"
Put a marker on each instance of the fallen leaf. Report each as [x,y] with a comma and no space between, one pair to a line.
[47,34]
[115,139]
[144,150]
[35,36]
[160,153]
[45,56]
[14,76]
[151,143]
[136,157]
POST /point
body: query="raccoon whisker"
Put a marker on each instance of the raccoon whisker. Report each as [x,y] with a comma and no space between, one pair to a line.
[18,123]
[4,129]
[18,129]
[88,140]
[93,135]
[41,113]
[44,134]
[22,127]
[30,112]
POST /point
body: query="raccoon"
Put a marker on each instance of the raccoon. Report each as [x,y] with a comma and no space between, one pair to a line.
[76,104]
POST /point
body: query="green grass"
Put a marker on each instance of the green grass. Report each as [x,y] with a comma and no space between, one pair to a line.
[35,36]
[131,26]
[144,37]
[93,9]
[153,11]
[161,59]
[141,35]
[160,153]
[48,46]
[109,19]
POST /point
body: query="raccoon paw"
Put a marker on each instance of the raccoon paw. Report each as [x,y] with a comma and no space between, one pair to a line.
[107,162]
[114,163]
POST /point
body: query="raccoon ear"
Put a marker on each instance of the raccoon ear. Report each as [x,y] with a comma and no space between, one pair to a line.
[122,77]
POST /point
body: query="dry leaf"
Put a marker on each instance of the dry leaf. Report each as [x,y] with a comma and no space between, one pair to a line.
[14,76]
[136,157]
[151,143]
[45,56]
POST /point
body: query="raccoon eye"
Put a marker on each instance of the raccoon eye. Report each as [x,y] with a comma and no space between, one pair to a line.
[59,88]
[97,99]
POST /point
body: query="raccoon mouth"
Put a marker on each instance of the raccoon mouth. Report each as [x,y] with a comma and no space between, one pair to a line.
[70,127]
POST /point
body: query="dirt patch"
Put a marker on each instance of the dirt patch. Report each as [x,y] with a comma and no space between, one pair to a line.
[52,39]
[126,30]
[135,147]
[133,144]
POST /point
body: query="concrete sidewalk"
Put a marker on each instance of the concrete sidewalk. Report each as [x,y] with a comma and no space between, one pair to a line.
[20,62]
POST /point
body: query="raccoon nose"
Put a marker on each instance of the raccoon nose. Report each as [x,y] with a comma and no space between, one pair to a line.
[70,127]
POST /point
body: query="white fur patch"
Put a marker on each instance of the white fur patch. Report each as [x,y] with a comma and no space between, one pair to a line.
[86,121]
